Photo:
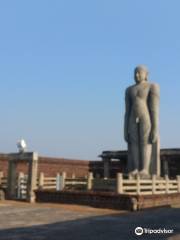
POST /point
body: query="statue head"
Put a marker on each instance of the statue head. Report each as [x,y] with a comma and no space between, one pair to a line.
[141,74]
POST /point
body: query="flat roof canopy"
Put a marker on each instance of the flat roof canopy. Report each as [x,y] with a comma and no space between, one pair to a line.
[123,154]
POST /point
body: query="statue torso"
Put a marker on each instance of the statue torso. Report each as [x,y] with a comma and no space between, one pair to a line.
[138,95]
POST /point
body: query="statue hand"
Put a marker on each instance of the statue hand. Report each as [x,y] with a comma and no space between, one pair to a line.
[153,136]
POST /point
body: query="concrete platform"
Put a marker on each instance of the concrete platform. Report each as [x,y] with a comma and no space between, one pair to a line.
[109,200]
[23,221]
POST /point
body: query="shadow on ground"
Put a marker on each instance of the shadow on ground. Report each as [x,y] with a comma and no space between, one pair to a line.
[107,227]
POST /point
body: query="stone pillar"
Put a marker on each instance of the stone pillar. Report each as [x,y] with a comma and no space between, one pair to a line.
[106,162]
[165,167]
[138,190]
[32,177]
[89,181]
[153,184]
[58,182]
[63,180]
[119,184]
[41,180]
[167,183]
[11,180]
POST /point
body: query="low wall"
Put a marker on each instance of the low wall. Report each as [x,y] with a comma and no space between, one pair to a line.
[93,199]
[147,201]
[108,200]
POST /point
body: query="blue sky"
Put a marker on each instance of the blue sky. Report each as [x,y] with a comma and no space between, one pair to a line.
[64,67]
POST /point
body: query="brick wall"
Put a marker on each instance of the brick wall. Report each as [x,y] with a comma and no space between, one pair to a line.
[108,200]
[93,199]
[52,166]
[3,163]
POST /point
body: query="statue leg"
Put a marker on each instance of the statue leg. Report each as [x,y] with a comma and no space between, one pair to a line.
[133,157]
[145,147]
[133,153]
[146,150]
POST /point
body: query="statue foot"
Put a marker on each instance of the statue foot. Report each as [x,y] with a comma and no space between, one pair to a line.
[134,173]
[144,173]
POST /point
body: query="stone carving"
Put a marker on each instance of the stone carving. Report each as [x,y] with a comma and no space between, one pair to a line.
[141,125]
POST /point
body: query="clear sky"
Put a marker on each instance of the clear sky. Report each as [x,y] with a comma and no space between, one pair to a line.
[64,67]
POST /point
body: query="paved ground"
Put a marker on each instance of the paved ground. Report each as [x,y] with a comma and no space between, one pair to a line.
[22,221]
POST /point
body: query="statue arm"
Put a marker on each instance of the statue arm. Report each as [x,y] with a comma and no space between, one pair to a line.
[127,112]
[154,111]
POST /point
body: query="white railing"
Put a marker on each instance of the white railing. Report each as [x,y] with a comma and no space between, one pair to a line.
[120,185]
[139,186]
[61,182]
[149,186]
[21,185]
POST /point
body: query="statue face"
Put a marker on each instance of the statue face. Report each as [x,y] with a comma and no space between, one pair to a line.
[140,75]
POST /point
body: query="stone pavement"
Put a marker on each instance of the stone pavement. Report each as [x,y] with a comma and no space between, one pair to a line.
[23,221]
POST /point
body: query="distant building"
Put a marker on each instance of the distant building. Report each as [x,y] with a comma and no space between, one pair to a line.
[114,161]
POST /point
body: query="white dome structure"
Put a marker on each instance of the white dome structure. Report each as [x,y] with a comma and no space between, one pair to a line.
[21,144]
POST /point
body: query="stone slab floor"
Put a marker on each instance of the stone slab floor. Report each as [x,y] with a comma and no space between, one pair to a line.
[23,221]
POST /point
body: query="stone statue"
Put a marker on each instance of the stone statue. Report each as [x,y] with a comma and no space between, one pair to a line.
[141,125]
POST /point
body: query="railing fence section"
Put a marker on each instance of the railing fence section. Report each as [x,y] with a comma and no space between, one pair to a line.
[120,185]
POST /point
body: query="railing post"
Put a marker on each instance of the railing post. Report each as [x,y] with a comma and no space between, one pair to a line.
[130,176]
[178,183]
[138,184]
[119,183]
[58,182]
[63,180]
[153,184]
[1,176]
[41,180]
[167,183]
[89,181]
[73,176]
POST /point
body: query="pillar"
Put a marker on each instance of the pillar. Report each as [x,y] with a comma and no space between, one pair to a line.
[165,167]
[11,180]
[106,162]
[32,177]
